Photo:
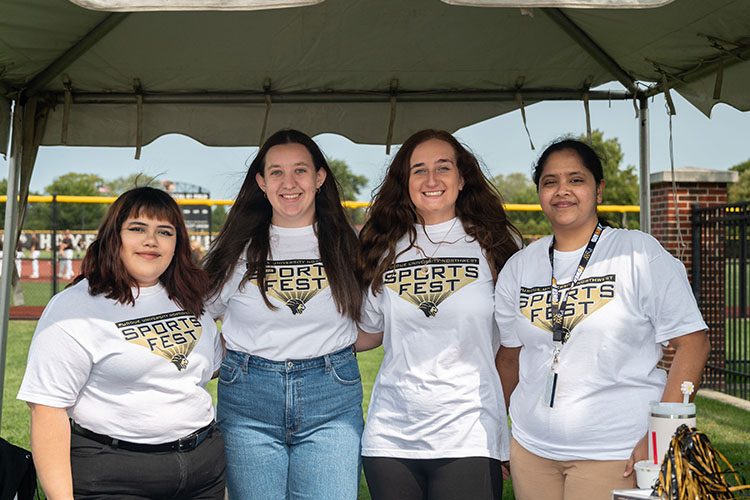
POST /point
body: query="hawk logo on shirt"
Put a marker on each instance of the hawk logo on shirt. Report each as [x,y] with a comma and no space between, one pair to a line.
[426,283]
[173,336]
[588,296]
[295,282]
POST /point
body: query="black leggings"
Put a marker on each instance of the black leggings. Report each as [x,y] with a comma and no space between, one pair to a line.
[477,478]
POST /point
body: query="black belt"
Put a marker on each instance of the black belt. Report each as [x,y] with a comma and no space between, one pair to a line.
[186,443]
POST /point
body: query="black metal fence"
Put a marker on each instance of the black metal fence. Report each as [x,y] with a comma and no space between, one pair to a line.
[721,280]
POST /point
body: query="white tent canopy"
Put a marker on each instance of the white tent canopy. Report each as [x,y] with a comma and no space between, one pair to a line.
[348,66]
[372,70]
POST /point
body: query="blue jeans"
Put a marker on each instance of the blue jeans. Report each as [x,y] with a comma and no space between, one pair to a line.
[291,428]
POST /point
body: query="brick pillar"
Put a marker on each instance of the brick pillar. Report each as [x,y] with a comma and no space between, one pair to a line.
[706,187]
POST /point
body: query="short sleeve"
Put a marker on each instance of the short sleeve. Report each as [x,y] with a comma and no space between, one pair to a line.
[506,304]
[57,368]
[218,347]
[373,319]
[216,305]
[671,305]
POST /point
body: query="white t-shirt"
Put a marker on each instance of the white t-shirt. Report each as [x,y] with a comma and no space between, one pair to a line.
[632,296]
[305,324]
[136,373]
[437,394]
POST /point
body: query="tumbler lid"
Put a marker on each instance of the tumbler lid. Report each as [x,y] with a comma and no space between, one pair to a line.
[672,410]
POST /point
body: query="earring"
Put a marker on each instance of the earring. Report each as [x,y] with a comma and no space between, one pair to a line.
[317,190]
[265,195]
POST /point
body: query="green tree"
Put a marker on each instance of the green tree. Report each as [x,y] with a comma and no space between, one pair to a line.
[218,216]
[741,167]
[30,209]
[621,183]
[75,216]
[740,190]
[350,184]
[519,188]
[121,184]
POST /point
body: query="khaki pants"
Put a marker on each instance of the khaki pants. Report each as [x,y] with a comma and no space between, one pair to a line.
[536,478]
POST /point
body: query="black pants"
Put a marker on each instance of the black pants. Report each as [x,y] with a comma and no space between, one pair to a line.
[475,478]
[103,472]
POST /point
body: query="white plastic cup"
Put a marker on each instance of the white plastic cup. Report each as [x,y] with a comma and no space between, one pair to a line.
[646,474]
[664,420]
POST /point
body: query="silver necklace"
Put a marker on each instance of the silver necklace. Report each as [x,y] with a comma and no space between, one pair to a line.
[425,267]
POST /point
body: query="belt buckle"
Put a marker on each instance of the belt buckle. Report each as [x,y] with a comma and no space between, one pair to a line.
[187,443]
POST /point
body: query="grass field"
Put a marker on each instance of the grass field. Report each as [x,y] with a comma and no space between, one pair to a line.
[727,427]
[38,293]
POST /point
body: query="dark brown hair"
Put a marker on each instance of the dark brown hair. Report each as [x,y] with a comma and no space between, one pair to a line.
[589,159]
[586,153]
[185,283]
[392,213]
[249,221]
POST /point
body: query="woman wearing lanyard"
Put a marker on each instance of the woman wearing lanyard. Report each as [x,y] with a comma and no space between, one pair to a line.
[282,272]
[436,238]
[582,315]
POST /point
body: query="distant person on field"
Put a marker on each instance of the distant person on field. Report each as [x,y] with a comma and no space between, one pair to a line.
[68,251]
[81,248]
[35,253]
[196,251]
[19,258]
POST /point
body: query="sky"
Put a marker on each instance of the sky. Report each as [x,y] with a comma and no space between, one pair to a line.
[500,143]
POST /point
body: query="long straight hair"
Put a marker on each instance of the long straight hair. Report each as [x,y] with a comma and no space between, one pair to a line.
[185,283]
[479,206]
[249,221]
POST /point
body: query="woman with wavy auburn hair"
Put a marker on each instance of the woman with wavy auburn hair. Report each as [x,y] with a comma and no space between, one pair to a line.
[119,362]
[432,248]
[283,279]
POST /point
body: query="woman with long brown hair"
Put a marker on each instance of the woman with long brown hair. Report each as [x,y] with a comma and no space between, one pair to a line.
[435,241]
[283,279]
[125,352]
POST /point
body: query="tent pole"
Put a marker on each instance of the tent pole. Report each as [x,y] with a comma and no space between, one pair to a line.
[9,250]
[644,147]
[333,96]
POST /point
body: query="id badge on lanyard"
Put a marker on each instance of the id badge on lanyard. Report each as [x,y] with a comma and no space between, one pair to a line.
[560,335]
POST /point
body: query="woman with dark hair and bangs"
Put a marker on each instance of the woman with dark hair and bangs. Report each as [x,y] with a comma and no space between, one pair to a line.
[432,248]
[119,362]
[282,275]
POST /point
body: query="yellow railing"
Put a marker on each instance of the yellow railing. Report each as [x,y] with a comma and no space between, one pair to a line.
[511,207]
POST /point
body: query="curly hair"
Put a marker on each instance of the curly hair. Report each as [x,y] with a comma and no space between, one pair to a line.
[392,213]
[247,227]
[185,283]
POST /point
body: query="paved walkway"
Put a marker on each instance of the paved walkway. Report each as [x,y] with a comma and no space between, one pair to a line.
[725,398]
